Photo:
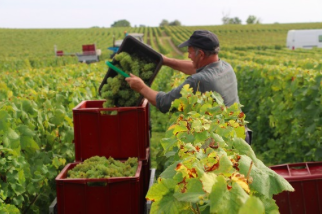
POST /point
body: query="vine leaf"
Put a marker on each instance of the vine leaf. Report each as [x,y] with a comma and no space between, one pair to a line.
[226,200]
[253,203]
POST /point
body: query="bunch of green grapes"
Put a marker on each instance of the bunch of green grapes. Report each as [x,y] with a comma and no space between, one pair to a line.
[116,91]
[101,167]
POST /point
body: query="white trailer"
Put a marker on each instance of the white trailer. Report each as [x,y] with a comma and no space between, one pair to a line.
[307,39]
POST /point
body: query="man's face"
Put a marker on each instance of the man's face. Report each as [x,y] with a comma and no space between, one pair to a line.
[194,56]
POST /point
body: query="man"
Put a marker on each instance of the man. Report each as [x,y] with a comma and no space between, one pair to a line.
[207,73]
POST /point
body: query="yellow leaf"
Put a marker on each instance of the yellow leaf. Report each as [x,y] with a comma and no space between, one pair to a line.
[208,180]
[172,127]
[181,106]
[241,181]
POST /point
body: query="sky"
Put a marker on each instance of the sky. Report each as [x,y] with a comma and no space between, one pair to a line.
[103,13]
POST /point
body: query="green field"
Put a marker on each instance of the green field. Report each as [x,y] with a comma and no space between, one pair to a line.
[280,89]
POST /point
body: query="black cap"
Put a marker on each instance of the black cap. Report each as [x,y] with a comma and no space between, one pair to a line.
[202,39]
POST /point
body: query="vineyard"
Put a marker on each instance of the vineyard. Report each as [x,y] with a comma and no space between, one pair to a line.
[280,90]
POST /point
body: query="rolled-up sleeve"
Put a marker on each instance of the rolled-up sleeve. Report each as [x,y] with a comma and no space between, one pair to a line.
[164,100]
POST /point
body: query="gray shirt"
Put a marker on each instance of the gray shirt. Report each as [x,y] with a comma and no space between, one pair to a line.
[218,76]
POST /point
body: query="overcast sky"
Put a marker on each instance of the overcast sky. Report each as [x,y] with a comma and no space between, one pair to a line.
[103,13]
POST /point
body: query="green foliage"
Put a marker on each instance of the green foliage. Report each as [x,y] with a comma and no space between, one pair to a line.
[121,23]
[39,90]
[167,23]
[22,48]
[227,20]
[8,208]
[252,20]
[208,167]
[101,167]
[175,23]
[164,23]
[284,110]
[36,131]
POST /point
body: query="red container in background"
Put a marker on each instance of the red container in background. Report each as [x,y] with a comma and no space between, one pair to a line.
[105,195]
[123,135]
[306,179]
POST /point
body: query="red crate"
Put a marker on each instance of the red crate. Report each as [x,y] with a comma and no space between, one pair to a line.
[306,179]
[59,53]
[81,196]
[123,135]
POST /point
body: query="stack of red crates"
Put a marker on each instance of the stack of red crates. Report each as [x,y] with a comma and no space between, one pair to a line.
[121,135]
[89,49]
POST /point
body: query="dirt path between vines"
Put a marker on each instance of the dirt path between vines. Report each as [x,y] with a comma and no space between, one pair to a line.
[166,37]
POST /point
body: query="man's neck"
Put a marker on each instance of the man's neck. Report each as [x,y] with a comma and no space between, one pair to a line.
[209,60]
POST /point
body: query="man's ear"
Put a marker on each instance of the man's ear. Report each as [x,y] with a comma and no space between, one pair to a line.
[202,53]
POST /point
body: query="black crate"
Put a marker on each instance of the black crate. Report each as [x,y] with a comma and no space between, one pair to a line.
[132,45]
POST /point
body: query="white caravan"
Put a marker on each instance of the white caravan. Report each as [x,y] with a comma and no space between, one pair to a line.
[304,39]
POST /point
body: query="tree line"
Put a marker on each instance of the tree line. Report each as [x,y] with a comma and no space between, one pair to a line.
[225,20]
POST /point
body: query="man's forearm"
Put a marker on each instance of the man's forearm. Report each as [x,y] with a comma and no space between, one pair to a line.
[149,94]
[185,66]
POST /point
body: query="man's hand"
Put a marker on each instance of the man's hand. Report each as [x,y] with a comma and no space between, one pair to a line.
[136,83]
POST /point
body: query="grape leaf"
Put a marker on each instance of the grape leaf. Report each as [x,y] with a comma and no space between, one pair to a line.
[208,180]
[226,201]
[194,190]
[254,204]
[265,180]
[161,188]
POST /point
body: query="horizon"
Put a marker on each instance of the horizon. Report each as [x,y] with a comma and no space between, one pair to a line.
[295,23]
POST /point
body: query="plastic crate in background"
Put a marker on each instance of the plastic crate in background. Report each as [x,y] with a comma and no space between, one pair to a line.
[123,135]
[132,45]
[105,195]
[306,179]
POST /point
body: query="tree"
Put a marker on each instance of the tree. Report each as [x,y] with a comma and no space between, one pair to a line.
[175,23]
[235,20]
[252,20]
[226,20]
[121,23]
[164,23]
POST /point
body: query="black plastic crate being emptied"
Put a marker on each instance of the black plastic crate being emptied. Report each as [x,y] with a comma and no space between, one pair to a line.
[132,45]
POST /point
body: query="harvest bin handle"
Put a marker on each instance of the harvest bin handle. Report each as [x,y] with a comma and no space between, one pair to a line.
[119,71]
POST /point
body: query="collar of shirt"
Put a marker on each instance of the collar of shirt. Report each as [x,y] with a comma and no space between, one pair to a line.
[214,64]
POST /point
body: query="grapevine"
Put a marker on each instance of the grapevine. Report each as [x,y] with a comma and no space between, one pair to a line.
[116,91]
[208,167]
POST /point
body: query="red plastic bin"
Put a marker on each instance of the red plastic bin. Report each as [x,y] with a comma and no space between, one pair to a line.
[123,135]
[109,195]
[306,179]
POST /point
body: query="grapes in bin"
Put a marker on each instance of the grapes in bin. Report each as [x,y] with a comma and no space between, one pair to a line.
[102,167]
